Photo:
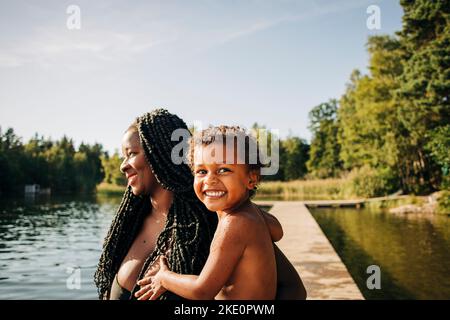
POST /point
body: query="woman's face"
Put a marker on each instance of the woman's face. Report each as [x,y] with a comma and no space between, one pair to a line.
[135,166]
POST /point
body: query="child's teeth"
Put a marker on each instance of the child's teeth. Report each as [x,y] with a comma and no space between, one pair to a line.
[215,193]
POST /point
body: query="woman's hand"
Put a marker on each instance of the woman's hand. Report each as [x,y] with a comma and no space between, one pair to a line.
[151,284]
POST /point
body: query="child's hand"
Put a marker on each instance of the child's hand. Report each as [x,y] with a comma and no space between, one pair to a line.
[152,288]
[146,280]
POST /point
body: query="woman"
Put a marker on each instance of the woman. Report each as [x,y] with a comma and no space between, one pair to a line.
[160,214]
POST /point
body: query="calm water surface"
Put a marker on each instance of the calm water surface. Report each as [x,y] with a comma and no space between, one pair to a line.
[49,248]
[45,244]
[412,251]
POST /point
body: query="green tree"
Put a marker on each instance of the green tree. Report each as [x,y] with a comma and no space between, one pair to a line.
[11,162]
[439,148]
[63,172]
[37,168]
[370,133]
[265,140]
[57,165]
[294,157]
[89,166]
[423,97]
[324,160]
[111,165]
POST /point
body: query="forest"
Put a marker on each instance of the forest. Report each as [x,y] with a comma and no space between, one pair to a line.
[389,131]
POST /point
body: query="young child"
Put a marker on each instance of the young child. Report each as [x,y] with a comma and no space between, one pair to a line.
[241,263]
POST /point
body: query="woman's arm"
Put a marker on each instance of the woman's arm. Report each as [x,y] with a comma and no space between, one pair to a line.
[289,285]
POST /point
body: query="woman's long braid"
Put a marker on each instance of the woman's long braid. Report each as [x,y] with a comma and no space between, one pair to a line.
[123,230]
[189,228]
[182,241]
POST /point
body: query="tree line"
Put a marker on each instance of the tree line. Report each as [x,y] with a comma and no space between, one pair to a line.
[65,169]
[51,164]
[392,125]
[390,130]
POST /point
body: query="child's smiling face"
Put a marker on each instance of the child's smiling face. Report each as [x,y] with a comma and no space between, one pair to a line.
[219,185]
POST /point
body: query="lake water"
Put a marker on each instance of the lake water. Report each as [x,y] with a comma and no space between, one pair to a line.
[49,248]
[412,251]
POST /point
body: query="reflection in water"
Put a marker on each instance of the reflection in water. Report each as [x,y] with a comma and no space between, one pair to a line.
[45,242]
[412,251]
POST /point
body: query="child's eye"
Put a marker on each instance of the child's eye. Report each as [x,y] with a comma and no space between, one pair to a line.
[223,170]
[200,171]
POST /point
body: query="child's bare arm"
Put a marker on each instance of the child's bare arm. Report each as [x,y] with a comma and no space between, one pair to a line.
[275,228]
[226,249]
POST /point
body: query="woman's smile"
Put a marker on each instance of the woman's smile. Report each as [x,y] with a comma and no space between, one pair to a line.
[135,167]
[132,177]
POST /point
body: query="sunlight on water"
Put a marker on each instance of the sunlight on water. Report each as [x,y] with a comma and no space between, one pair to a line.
[42,243]
[49,248]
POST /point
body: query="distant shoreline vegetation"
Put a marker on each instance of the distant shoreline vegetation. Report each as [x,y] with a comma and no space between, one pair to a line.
[55,164]
[388,132]
[50,164]
[65,170]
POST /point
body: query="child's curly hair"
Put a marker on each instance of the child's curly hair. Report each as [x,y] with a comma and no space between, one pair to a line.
[222,134]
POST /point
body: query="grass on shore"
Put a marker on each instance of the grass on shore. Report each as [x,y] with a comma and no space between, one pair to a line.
[319,189]
[109,189]
[326,189]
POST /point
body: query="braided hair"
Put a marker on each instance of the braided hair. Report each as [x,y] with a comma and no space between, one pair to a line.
[189,228]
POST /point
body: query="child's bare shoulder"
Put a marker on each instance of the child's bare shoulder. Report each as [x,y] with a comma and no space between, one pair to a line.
[245,217]
[234,227]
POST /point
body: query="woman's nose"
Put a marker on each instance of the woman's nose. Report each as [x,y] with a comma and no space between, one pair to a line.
[124,165]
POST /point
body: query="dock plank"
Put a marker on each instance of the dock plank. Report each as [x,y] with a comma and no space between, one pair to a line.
[306,246]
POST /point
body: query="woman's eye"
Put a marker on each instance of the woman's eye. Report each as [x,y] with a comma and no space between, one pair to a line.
[131,153]
[200,171]
[223,170]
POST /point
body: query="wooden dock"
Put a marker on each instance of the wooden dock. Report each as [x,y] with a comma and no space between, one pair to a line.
[335,203]
[355,203]
[306,246]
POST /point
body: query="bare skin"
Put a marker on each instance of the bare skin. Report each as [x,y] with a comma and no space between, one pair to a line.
[142,181]
[142,247]
[275,229]
[241,263]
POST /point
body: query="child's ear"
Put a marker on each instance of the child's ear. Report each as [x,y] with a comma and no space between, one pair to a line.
[253,180]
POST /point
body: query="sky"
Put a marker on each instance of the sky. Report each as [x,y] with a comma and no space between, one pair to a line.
[208,61]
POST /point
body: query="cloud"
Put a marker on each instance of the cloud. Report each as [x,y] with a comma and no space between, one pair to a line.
[62,47]
[179,30]
[8,60]
[315,11]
